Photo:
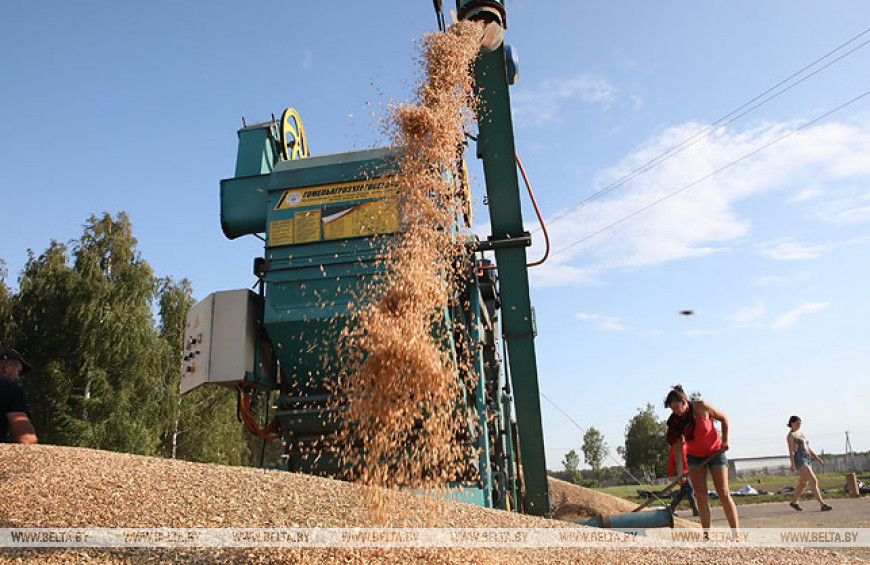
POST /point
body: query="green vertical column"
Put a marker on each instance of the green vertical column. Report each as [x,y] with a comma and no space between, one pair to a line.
[496,149]
[483,439]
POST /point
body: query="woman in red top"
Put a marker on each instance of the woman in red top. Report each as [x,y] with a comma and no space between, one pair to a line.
[691,423]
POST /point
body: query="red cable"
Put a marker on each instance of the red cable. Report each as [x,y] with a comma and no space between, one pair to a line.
[481,267]
[538,212]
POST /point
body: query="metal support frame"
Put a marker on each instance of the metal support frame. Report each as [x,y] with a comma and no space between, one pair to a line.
[496,149]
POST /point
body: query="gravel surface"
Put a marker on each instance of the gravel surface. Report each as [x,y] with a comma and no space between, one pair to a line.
[50,486]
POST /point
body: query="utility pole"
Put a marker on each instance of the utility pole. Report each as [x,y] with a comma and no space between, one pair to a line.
[855,466]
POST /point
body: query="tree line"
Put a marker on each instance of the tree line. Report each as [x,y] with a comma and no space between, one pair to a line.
[645,453]
[104,335]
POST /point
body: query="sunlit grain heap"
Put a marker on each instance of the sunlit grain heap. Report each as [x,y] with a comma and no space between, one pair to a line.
[65,487]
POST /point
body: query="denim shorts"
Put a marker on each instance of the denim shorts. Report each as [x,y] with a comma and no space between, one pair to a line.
[718,462]
[801,459]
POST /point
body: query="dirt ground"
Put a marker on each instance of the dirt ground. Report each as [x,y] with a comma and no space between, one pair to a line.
[847,513]
[571,501]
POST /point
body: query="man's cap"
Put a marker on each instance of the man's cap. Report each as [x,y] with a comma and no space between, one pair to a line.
[12,355]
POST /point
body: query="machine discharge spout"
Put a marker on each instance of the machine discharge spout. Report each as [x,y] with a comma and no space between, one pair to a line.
[492,14]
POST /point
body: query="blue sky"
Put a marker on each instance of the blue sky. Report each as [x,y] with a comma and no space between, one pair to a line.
[111,106]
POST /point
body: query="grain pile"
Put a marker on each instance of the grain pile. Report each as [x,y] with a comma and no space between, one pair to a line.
[402,379]
[571,501]
[48,486]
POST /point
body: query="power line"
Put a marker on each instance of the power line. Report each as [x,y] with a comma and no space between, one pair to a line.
[609,456]
[710,175]
[718,124]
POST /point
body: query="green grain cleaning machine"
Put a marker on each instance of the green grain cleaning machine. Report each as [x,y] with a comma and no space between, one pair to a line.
[323,218]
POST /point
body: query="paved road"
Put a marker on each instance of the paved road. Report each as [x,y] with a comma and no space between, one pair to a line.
[847,512]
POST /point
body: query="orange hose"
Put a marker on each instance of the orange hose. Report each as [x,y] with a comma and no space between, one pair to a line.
[270,432]
[537,211]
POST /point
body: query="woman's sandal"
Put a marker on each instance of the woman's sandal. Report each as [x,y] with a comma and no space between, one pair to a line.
[796,506]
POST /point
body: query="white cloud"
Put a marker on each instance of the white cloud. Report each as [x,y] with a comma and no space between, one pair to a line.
[856,214]
[553,273]
[307,60]
[544,103]
[784,249]
[805,194]
[765,280]
[602,323]
[749,316]
[700,332]
[790,318]
[650,333]
[680,209]
[850,207]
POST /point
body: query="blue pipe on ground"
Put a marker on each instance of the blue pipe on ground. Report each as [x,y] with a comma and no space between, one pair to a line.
[639,520]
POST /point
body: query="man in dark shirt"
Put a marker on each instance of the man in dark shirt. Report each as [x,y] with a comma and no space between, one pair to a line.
[15,423]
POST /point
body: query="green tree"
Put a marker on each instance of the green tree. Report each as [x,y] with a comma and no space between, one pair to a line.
[594,449]
[106,372]
[7,329]
[175,299]
[117,349]
[561,475]
[200,425]
[45,332]
[571,463]
[87,328]
[646,446]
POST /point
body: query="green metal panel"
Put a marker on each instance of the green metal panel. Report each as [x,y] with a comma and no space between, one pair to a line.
[310,285]
[496,149]
[309,290]
[468,495]
[244,197]
[246,203]
[243,205]
[257,151]
[338,167]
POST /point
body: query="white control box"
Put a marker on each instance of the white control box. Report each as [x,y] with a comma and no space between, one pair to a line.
[220,339]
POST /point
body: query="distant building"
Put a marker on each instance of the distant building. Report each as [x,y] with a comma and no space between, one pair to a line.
[777,465]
